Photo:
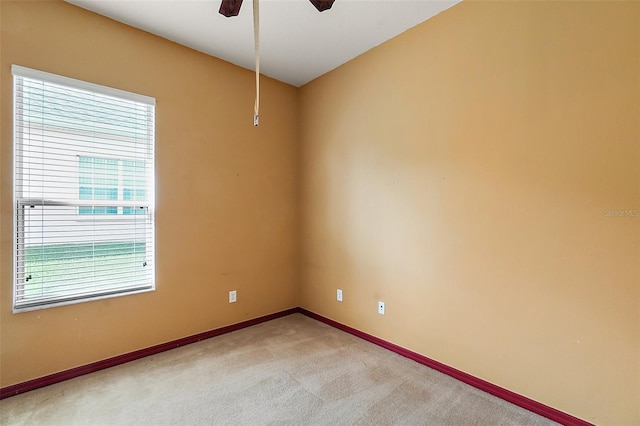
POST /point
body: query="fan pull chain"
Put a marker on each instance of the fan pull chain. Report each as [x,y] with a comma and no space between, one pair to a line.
[256,40]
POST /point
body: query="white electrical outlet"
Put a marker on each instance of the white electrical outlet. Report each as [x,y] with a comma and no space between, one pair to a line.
[381,308]
[339,295]
[232,296]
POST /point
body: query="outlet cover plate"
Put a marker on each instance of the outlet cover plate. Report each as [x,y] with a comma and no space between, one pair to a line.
[232,296]
[339,295]
[381,308]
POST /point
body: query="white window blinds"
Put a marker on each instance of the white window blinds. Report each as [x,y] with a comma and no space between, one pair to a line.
[84,190]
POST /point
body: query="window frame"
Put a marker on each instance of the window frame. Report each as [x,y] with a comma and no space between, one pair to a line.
[20,204]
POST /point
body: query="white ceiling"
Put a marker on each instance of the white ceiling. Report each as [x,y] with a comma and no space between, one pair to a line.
[297,43]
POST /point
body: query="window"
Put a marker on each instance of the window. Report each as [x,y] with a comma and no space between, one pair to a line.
[107,179]
[98,180]
[83,191]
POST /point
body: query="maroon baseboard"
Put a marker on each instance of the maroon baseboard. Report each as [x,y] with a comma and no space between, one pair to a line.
[121,359]
[505,394]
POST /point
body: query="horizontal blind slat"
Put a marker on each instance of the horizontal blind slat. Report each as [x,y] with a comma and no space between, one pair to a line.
[28,73]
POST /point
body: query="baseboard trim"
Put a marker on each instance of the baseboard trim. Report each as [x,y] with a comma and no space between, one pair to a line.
[505,394]
[131,356]
[502,393]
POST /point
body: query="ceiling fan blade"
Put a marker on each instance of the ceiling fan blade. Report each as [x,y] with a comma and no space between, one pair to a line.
[322,5]
[230,8]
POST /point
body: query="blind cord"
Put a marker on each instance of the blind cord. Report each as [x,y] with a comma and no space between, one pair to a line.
[256,40]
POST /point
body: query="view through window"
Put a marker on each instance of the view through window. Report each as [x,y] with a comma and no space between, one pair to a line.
[84,185]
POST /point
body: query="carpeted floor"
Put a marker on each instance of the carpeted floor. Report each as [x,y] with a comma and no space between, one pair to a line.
[292,370]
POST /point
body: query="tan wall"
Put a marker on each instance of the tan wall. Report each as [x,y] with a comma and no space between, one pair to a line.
[226,191]
[462,173]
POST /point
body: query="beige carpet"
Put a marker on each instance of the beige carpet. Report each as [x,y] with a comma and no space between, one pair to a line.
[292,370]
